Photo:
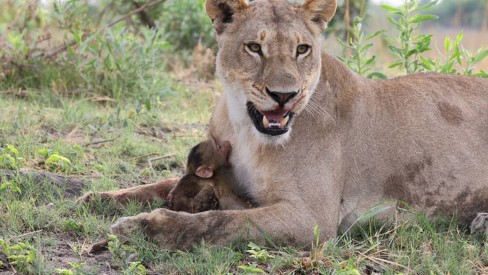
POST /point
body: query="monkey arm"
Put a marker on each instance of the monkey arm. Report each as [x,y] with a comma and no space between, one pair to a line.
[205,199]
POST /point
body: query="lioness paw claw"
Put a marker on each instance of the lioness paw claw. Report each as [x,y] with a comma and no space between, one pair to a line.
[480,223]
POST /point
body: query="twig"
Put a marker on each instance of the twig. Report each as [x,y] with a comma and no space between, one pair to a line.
[144,17]
[86,35]
[67,45]
[98,142]
[149,161]
[144,132]
[26,234]
[143,7]
[101,99]
[143,156]
[381,261]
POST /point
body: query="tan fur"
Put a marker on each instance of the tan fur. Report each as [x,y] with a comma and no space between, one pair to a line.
[354,142]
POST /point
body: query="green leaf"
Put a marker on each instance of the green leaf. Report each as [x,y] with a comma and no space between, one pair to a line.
[369,61]
[70,50]
[396,64]
[424,17]
[374,34]
[427,6]
[459,37]
[365,48]
[447,43]
[13,150]
[251,269]
[375,210]
[54,158]
[482,74]
[395,50]
[148,104]
[480,57]
[43,152]
[412,52]
[7,161]
[426,63]
[4,186]
[253,246]
[377,75]
[389,8]
[343,44]
[394,22]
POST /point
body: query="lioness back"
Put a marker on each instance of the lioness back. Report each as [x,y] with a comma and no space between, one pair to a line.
[421,139]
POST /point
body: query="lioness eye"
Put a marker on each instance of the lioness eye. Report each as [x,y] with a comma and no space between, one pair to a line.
[301,49]
[254,47]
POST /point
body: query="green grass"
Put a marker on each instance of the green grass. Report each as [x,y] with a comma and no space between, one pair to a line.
[55,232]
[107,111]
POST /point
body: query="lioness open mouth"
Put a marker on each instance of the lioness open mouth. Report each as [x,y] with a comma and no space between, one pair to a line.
[273,123]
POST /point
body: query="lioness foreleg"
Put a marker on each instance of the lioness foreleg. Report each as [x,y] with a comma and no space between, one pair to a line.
[281,222]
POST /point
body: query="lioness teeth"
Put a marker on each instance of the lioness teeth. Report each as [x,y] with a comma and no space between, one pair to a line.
[284,121]
[265,122]
[268,124]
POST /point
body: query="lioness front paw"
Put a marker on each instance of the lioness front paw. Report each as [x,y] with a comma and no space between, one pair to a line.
[125,226]
[173,230]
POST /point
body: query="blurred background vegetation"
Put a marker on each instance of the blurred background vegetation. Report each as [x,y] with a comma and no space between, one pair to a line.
[126,49]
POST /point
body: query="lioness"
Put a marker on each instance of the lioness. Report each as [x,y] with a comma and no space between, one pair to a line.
[316,144]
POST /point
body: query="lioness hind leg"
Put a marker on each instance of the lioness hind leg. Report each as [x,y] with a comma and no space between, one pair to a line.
[143,193]
[480,223]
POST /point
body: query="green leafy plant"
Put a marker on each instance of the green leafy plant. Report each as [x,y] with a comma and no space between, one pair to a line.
[20,255]
[346,267]
[135,268]
[359,45]
[10,159]
[258,253]
[54,161]
[185,23]
[9,185]
[121,64]
[409,45]
[457,60]
[77,269]
[251,269]
[71,225]
[317,249]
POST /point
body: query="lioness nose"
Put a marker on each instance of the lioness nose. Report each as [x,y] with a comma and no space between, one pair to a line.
[281,98]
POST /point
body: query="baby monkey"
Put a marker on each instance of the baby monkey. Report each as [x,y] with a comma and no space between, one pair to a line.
[207,182]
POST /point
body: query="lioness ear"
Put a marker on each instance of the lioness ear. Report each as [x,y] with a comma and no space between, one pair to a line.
[321,11]
[204,172]
[221,12]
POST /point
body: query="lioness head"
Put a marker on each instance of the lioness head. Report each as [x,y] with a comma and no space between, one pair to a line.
[269,60]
